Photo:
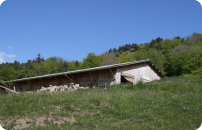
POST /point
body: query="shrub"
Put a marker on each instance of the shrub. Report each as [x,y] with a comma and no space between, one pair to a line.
[132,50]
[140,83]
[117,54]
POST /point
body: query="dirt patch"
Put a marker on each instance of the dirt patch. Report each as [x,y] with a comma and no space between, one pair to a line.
[5,122]
[40,121]
[84,113]
[22,123]
[25,122]
[58,108]
[103,105]
[60,120]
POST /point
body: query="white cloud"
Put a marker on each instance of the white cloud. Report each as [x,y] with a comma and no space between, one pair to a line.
[10,47]
[3,55]
[1,1]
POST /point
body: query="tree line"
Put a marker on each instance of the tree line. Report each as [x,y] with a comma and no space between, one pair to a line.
[173,57]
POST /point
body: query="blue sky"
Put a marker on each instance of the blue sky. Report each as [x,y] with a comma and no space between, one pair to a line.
[72,28]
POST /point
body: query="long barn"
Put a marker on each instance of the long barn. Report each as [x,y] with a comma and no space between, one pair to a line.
[132,72]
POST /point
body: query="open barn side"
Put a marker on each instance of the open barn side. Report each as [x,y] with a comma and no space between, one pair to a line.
[98,78]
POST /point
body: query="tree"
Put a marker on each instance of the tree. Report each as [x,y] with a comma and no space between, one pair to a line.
[158,46]
[135,46]
[195,37]
[159,40]
[152,43]
[127,47]
[125,58]
[51,66]
[91,61]
[109,58]
[115,50]
[178,61]
[38,59]
[7,73]
[132,50]
[60,64]
[73,65]
[30,65]
[178,37]
[39,68]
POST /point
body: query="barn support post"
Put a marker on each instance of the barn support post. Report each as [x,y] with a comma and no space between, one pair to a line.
[69,78]
[73,79]
[57,81]
[42,82]
[112,74]
[93,78]
[17,86]
[30,85]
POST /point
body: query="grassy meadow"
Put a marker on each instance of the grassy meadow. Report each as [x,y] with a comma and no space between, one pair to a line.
[169,104]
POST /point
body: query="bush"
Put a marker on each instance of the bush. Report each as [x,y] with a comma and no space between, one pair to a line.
[132,50]
[140,83]
[117,54]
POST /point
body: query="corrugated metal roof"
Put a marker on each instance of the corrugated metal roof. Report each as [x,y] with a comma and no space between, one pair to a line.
[93,69]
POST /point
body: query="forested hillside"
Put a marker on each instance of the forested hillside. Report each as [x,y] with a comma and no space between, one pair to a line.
[172,56]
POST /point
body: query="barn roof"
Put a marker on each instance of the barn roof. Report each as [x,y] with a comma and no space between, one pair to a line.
[93,69]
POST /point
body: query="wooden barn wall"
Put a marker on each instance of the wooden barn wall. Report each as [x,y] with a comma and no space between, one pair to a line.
[142,70]
[63,80]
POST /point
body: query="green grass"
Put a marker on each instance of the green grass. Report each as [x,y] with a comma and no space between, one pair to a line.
[169,103]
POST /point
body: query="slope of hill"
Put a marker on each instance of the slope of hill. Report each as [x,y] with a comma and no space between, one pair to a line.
[170,103]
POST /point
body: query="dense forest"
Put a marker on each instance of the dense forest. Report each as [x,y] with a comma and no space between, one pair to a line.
[173,57]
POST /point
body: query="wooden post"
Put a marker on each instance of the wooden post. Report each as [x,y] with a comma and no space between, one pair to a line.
[17,86]
[73,78]
[57,81]
[42,83]
[30,85]
[69,78]
[112,73]
[93,77]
